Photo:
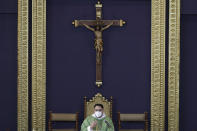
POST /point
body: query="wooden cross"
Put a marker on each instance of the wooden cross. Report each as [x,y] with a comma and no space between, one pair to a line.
[98,26]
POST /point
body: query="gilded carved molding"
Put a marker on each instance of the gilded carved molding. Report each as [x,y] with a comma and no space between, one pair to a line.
[38,65]
[158,65]
[173,67]
[22,80]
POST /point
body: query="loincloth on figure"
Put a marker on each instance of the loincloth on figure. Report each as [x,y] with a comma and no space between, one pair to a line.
[99,49]
[98,45]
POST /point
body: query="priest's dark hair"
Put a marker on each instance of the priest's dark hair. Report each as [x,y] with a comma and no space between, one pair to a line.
[99,105]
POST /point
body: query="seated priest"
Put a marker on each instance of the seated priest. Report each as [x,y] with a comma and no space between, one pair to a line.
[97,121]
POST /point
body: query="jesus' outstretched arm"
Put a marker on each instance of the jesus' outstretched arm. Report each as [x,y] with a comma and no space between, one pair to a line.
[107,26]
[88,27]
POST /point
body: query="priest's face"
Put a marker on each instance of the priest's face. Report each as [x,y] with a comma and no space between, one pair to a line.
[98,110]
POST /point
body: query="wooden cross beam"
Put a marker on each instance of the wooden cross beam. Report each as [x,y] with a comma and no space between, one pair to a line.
[98,26]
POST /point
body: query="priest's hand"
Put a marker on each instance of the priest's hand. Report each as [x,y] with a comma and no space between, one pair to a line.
[93,124]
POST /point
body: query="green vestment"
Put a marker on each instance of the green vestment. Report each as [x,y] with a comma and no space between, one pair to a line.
[104,124]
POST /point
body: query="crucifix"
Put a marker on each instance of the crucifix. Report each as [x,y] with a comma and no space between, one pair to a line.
[98,26]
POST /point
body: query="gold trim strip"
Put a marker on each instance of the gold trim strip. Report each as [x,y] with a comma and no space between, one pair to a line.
[38,65]
[22,80]
[174,63]
[158,65]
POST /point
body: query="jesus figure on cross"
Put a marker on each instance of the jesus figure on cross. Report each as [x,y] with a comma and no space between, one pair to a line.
[98,26]
[98,40]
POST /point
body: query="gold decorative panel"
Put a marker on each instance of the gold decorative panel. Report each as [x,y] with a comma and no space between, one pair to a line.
[22,81]
[173,66]
[38,64]
[158,65]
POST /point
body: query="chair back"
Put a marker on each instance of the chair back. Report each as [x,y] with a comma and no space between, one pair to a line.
[133,118]
[97,99]
[63,117]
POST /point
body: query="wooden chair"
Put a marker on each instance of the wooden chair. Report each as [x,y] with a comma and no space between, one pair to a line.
[133,118]
[97,99]
[63,117]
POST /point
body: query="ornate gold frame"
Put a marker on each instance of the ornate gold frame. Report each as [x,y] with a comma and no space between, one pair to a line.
[22,80]
[173,65]
[39,65]
[157,65]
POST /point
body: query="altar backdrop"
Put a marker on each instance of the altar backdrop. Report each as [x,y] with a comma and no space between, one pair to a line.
[71,58]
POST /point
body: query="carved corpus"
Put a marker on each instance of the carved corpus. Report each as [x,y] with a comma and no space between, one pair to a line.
[98,26]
